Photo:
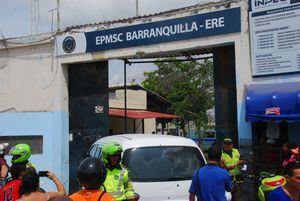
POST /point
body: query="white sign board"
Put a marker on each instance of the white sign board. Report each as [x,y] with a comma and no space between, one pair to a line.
[275,36]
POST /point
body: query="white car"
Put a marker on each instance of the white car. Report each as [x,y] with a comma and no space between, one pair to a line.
[161,166]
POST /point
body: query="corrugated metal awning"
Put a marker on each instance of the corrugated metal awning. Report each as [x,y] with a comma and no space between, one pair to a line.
[139,114]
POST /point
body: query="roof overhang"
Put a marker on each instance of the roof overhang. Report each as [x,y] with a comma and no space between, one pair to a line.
[273,102]
[140,114]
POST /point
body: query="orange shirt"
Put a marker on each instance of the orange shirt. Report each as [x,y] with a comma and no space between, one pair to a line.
[10,191]
[91,195]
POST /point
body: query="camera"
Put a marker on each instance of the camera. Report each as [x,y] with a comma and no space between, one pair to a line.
[43,173]
[3,147]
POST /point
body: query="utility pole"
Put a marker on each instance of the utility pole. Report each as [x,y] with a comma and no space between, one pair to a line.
[136,8]
[58,15]
[52,10]
[33,17]
[125,97]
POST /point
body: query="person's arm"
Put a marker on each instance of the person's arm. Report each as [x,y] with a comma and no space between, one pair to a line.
[192,189]
[3,175]
[128,186]
[192,197]
[60,187]
[222,164]
[4,171]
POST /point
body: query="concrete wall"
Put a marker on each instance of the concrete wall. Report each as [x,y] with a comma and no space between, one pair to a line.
[33,101]
[33,81]
[54,128]
[139,126]
[136,99]
[150,125]
[117,125]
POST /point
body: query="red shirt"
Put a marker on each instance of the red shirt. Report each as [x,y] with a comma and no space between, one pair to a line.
[10,192]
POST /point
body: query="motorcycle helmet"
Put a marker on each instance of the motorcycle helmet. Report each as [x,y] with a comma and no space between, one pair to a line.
[110,149]
[91,173]
[20,153]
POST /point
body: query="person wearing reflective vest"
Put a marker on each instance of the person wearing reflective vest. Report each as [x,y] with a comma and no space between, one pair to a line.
[117,182]
[232,163]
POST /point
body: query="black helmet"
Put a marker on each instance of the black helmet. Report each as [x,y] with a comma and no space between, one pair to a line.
[91,173]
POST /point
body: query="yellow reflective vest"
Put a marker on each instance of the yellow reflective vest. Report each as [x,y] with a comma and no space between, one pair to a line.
[230,161]
[29,165]
[118,184]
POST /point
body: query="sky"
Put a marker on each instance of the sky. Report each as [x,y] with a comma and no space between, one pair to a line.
[15,20]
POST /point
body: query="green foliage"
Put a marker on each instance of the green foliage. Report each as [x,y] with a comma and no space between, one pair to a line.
[188,85]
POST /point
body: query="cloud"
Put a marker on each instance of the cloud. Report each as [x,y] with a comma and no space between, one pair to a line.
[15,14]
[134,72]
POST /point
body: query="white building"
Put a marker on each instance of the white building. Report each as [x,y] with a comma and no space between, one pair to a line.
[54,85]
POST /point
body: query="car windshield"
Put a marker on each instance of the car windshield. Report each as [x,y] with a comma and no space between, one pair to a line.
[164,163]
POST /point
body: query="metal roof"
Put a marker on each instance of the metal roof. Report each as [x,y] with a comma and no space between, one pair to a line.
[194,9]
[139,114]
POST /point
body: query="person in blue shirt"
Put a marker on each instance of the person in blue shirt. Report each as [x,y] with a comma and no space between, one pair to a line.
[210,182]
[291,190]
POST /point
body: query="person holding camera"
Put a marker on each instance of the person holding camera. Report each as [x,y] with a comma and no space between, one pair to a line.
[30,187]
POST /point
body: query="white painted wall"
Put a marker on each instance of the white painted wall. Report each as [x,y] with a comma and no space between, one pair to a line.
[32,81]
[136,99]
[150,125]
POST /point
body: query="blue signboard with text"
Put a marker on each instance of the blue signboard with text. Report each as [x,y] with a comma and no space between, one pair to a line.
[195,26]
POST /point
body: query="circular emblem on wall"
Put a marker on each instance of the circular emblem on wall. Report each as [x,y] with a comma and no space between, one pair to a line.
[69,44]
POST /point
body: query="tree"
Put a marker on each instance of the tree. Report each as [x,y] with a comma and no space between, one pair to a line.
[188,85]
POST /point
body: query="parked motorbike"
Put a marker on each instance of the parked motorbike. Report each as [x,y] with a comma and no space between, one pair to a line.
[268,182]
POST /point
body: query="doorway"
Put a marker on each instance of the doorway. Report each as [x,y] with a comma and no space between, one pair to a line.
[88,111]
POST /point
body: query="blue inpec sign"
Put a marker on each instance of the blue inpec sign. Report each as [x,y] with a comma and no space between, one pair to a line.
[195,26]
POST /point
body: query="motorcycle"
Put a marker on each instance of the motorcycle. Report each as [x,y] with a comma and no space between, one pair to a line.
[268,182]
[264,182]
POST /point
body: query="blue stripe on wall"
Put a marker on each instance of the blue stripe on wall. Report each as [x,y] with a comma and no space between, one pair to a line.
[54,126]
[244,128]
